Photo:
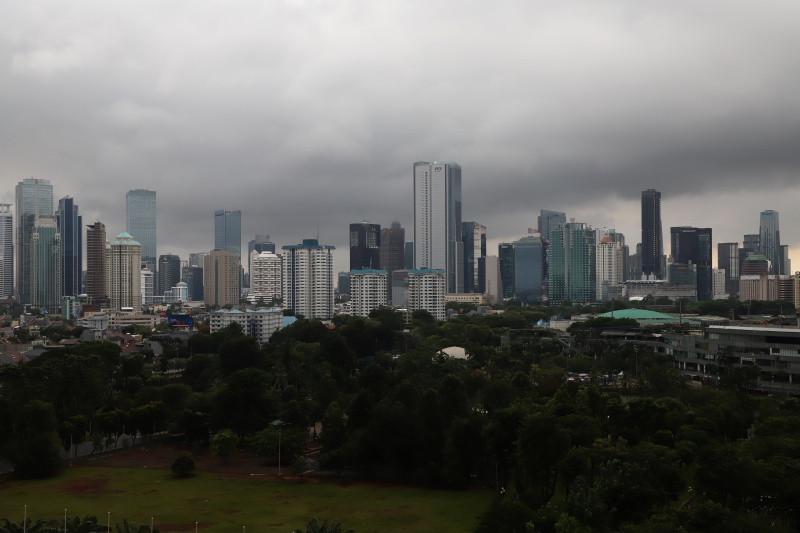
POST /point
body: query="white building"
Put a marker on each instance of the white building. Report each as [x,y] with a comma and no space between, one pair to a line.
[426,290]
[608,266]
[265,274]
[308,279]
[437,221]
[367,290]
[259,324]
[124,272]
[178,293]
[147,286]
[494,281]
[718,284]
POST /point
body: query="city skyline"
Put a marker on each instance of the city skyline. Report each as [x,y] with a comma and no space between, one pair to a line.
[669,97]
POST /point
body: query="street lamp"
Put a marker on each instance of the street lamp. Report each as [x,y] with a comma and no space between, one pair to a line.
[279,424]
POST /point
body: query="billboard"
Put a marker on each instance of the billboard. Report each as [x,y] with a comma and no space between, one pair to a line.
[180,321]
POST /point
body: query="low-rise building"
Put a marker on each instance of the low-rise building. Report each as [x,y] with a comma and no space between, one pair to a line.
[259,324]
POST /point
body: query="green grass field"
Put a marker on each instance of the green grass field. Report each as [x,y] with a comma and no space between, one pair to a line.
[220,504]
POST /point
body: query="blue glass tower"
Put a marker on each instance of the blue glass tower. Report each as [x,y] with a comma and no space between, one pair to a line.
[140,212]
[70,228]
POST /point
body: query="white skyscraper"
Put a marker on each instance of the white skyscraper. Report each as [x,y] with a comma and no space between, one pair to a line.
[308,279]
[6,251]
[265,274]
[437,221]
[608,264]
[367,290]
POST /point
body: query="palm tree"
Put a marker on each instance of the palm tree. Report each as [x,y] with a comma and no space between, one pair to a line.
[88,524]
[7,526]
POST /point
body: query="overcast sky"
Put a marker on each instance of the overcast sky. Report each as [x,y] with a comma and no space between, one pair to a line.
[308,116]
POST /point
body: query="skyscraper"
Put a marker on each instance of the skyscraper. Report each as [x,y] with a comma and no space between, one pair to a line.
[169,273]
[573,273]
[365,243]
[265,274]
[96,266]
[506,258]
[652,237]
[609,264]
[529,269]
[694,245]
[70,227]
[228,232]
[770,240]
[437,220]
[308,279]
[221,278]
[34,198]
[140,214]
[473,235]
[6,251]
[124,273]
[728,260]
[392,252]
[46,265]
[260,244]
[549,220]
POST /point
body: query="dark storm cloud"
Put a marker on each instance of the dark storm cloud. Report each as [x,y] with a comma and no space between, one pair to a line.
[308,115]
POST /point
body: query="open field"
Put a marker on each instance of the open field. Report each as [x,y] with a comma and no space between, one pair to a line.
[219,501]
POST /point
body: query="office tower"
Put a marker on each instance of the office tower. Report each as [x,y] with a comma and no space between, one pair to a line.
[193,277]
[751,244]
[437,220]
[198,259]
[124,273]
[683,274]
[755,265]
[34,198]
[408,256]
[608,264]
[549,220]
[367,290]
[770,240]
[265,276]
[694,245]
[96,264]
[6,251]
[652,237]
[728,260]
[169,273]
[718,282]
[365,243]
[147,285]
[786,262]
[70,227]
[221,278]
[343,283]
[473,235]
[494,282]
[392,252]
[140,214]
[308,279]
[46,265]
[228,232]
[529,269]
[505,254]
[572,256]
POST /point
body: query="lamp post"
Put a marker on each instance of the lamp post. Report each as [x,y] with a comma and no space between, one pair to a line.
[279,424]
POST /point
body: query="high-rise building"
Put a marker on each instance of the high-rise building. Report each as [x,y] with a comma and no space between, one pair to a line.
[343,283]
[221,278]
[308,279]
[367,290]
[786,262]
[770,240]
[193,277]
[228,232]
[549,220]
[169,272]
[265,274]
[147,285]
[125,273]
[392,252]
[609,264]
[260,244]
[96,267]
[34,198]
[505,254]
[437,220]
[652,237]
[423,288]
[494,282]
[46,265]
[694,245]
[197,259]
[140,214]
[728,260]
[408,256]
[473,235]
[6,251]
[365,243]
[70,227]
[573,256]
[529,269]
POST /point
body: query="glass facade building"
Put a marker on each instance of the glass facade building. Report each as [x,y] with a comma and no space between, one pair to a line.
[529,269]
[474,238]
[6,251]
[572,257]
[46,265]
[34,198]
[228,232]
[140,215]
[770,240]
[70,227]
[693,245]
[505,256]
[652,236]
